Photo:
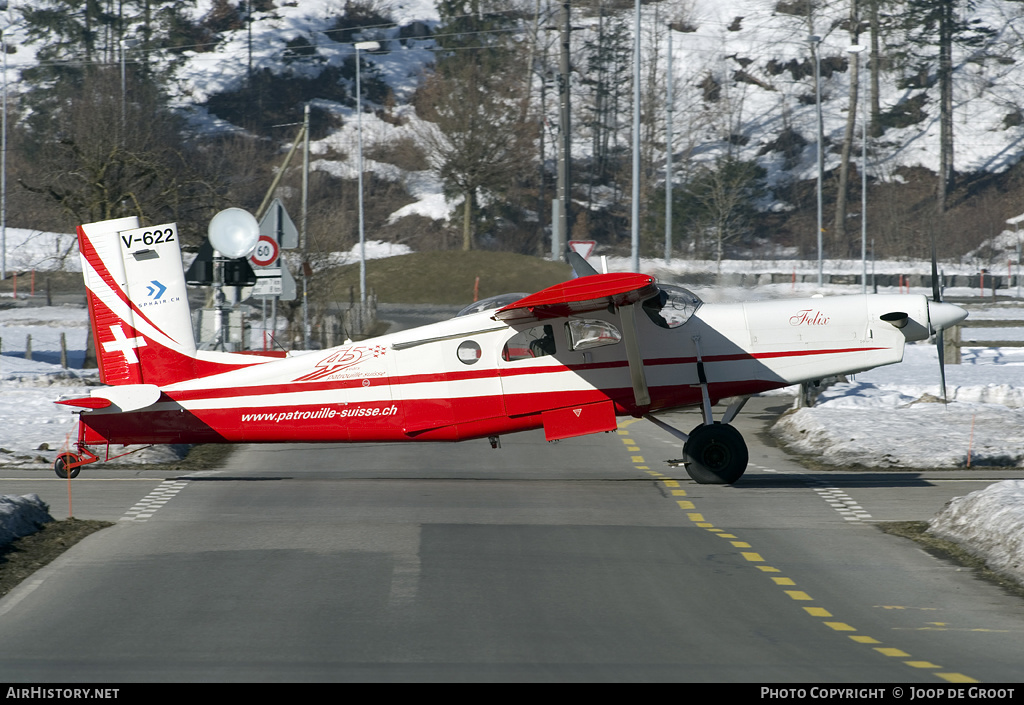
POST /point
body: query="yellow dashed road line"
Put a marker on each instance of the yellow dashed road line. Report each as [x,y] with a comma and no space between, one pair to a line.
[700,521]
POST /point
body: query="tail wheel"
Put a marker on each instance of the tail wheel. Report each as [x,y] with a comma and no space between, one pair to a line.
[715,455]
[62,463]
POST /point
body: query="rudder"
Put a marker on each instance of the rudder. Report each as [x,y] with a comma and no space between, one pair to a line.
[138,304]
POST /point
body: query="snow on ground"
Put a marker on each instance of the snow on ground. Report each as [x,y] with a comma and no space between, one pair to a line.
[21,516]
[988,524]
[894,417]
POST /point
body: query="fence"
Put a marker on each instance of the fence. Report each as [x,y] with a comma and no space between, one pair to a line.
[29,355]
[952,339]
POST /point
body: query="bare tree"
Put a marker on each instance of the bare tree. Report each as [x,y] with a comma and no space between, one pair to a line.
[102,159]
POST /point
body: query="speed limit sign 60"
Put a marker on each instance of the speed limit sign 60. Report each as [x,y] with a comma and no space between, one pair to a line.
[266,252]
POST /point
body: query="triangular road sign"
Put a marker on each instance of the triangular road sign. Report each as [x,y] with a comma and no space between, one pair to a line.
[582,247]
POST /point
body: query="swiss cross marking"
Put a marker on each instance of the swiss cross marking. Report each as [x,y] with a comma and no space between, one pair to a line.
[123,344]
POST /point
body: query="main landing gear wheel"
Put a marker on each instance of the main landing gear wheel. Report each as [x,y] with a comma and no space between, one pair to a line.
[715,454]
[60,466]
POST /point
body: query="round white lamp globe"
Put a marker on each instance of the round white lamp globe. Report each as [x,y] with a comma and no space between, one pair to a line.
[234,233]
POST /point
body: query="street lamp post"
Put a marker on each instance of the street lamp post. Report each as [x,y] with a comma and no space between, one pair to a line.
[3,163]
[361,46]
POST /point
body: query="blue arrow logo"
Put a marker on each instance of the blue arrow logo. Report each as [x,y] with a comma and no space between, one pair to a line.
[156,290]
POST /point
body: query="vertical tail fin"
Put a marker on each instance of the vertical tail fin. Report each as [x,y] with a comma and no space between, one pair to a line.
[138,303]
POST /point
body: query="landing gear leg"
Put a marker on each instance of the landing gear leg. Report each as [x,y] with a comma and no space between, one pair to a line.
[67,466]
[715,454]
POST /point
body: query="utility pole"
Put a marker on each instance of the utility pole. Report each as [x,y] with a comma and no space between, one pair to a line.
[815,42]
[669,110]
[305,239]
[635,259]
[564,126]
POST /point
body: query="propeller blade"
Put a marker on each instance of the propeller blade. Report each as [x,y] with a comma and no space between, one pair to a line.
[936,292]
[942,363]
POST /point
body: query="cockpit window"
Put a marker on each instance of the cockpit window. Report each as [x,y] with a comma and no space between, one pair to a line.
[672,307]
[586,333]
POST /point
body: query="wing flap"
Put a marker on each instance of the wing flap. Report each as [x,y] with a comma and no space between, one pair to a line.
[579,420]
[591,293]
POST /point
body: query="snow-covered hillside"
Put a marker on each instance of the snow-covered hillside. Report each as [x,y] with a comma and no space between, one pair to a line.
[755,53]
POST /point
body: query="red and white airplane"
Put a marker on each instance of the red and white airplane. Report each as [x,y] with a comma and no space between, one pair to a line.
[569,359]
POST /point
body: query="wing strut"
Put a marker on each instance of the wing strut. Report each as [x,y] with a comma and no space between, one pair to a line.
[705,408]
[633,354]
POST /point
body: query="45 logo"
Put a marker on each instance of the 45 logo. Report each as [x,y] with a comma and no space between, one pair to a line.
[343,359]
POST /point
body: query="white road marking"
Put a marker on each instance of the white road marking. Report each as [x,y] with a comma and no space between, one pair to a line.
[147,506]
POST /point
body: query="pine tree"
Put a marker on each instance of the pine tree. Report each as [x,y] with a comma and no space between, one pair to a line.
[475,100]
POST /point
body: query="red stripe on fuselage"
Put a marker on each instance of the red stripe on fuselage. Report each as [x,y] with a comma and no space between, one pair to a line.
[487,373]
[419,419]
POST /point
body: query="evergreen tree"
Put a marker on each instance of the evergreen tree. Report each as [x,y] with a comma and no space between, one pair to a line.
[609,59]
[475,99]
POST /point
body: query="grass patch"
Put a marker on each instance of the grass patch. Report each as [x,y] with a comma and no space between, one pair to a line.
[917,531]
[207,456]
[24,556]
[446,277]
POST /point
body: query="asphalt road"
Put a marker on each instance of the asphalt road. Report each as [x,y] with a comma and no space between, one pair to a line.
[587,560]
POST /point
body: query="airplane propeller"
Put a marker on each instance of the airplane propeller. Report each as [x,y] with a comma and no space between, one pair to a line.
[937,298]
[941,316]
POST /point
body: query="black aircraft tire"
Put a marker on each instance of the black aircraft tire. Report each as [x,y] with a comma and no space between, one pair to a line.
[715,455]
[61,463]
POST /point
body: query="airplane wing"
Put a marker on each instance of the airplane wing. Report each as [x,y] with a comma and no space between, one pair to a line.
[590,293]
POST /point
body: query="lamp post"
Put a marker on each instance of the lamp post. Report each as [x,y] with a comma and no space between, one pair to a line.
[3,164]
[361,46]
[857,50]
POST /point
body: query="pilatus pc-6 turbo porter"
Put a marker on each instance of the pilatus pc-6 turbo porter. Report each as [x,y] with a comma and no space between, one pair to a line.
[568,360]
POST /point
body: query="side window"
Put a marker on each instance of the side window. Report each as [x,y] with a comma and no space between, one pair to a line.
[530,343]
[586,333]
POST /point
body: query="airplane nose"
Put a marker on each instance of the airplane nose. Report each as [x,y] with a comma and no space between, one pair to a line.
[943,315]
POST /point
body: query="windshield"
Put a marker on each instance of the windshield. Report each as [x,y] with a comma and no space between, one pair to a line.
[672,307]
[487,304]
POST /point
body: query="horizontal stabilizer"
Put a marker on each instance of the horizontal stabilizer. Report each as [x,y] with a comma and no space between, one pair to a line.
[593,293]
[127,397]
